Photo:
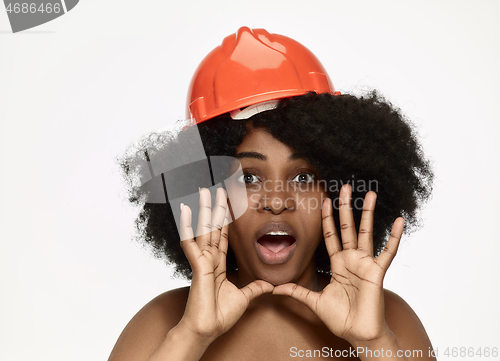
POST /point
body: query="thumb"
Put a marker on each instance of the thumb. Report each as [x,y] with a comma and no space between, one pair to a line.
[256,288]
[299,293]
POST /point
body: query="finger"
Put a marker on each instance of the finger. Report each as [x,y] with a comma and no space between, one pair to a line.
[204,220]
[299,293]
[256,288]
[224,234]
[220,233]
[218,216]
[330,234]
[347,227]
[385,258]
[188,244]
[365,238]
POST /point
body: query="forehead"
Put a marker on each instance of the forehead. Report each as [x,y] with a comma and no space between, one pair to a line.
[261,147]
[261,141]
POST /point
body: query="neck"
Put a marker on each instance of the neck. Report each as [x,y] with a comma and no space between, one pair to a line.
[308,279]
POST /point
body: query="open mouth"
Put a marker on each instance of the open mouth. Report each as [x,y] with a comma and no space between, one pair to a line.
[276,247]
[276,241]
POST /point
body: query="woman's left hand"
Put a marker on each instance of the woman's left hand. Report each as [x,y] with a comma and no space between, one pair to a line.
[352,304]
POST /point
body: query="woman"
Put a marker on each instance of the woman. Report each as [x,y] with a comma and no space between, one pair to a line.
[295,274]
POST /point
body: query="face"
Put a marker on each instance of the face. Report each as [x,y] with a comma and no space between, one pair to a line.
[276,238]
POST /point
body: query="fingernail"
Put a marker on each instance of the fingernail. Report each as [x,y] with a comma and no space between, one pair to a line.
[182,205]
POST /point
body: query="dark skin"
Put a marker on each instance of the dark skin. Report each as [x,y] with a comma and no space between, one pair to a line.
[263,310]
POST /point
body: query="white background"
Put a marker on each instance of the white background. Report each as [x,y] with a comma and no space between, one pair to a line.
[75,92]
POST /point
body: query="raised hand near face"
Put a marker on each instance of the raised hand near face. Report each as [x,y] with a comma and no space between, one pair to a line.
[352,304]
[214,304]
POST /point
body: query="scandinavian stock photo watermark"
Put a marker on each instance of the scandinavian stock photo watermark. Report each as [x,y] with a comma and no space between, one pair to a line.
[283,194]
[173,175]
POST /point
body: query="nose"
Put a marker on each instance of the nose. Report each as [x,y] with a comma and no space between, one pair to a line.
[277,201]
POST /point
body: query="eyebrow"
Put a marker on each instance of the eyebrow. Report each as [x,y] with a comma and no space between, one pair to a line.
[254,155]
[260,156]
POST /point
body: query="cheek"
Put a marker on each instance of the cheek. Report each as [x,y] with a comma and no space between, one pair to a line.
[310,203]
[232,232]
[232,238]
[254,201]
[244,199]
[310,208]
[236,233]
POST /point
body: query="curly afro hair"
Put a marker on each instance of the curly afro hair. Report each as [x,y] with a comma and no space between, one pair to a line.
[348,139]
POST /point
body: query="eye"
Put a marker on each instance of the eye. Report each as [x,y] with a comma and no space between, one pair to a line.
[248,178]
[303,178]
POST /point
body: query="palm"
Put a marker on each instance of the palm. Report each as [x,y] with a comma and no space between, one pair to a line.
[232,304]
[214,304]
[352,304]
[354,293]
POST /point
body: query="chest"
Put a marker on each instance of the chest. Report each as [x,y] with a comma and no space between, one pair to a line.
[278,337]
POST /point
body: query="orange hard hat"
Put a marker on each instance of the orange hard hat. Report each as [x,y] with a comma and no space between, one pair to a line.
[251,67]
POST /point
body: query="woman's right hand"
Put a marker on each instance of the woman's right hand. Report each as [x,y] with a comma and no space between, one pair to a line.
[214,304]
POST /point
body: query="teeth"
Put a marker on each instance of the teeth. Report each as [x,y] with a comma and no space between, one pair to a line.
[277,233]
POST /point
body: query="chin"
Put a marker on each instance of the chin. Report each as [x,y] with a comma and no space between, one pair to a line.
[278,276]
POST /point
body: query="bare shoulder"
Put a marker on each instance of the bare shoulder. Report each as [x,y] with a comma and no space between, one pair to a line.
[148,328]
[406,325]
